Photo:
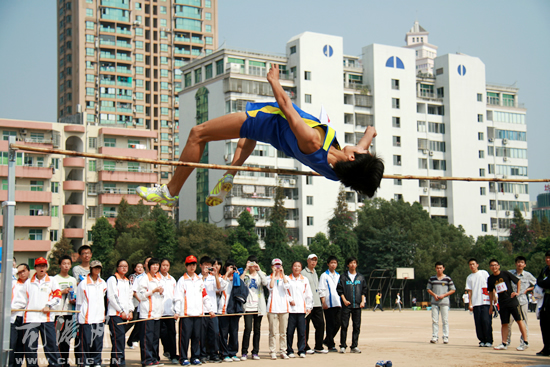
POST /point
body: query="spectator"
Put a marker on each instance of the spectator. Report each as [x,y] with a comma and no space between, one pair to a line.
[301,303]
[278,308]
[440,287]
[330,302]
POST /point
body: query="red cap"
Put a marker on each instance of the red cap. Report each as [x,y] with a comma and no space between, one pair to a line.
[40,261]
[190,259]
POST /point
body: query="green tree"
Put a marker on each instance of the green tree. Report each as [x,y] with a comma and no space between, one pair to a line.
[276,239]
[535,226]
[340,227]
[240,254]
[61,248]
[245,234]
[165,236]
[521,237]
[103,236]
[321,246]
[544,226]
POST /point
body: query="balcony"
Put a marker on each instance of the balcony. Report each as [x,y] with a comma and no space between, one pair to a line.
[29,221]
[28,172]
[73,232]
[75,129]
[127,176]
[130,152]
[24,195]
[74,185]
[73,209]
[31,246]
[113,197]
[74,162]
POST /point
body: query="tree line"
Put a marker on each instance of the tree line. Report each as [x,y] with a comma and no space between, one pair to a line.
[382,234]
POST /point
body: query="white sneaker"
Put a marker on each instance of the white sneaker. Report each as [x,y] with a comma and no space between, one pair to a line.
[320,351]
[522,346]
[488,345]
[283,355]
[235,359]
[273,356]
[244,357]
[310,351]
[445,340]
[257,357]
[342,350]
[502,346]
[302,355]
[355,350]
[292,355]
[433,340]
[136,344]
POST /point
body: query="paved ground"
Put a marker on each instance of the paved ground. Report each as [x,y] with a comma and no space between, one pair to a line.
[404,338]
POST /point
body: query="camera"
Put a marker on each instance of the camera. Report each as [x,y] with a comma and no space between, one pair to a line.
[210,269]
[277,266]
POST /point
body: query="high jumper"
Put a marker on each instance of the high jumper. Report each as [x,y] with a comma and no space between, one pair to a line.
[288,129]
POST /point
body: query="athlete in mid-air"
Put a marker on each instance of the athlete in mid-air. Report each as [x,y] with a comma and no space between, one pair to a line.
[287,128]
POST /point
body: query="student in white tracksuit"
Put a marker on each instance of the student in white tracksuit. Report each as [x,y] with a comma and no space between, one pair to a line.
[90,300]
[18,289]
[278,307]
[150,294]
[120,309]
[191,300]
[332,303]
[301,304]
[168,326]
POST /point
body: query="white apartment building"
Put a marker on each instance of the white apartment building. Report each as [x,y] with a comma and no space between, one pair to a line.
[435,116]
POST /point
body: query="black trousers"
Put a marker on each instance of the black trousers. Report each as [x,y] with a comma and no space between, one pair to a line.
[168,337]
[356,319]
[250,320]
[118,337]
[17,352]
[134,335]
[190,329]
[316,316]
[484,324]
[91,343]
[149,341]
[229,332]
[545,326]
[46,330]
[332,321]
[296,321]
[209,337]
[65,327]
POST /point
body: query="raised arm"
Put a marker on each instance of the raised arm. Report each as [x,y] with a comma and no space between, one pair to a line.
[309,140]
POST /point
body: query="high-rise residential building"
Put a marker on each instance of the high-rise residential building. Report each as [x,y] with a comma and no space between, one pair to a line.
[435,116]
[542,205]
[119,60]
[61,195]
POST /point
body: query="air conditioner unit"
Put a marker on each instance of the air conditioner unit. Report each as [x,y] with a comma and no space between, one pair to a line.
[507,213]
[134,97]
[491,140]
[504,141]
[425,151]
[169,87]
[156,140]
[23,131]
[516,195]
[431,153]
[137,23]
[443,187]
[135,110]
[292,182]
[425,189]
[505,159]
[170,139]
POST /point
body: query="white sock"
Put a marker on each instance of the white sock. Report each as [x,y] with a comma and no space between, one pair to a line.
[167,192]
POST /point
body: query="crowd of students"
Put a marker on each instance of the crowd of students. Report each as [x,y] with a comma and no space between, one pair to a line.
[205,307]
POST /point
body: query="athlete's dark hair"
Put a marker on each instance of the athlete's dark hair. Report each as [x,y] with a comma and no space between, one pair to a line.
[205,260]
[330,258]
[25,265]
[350,259]
[153,261]
[65,257]
[84,247]
[439,263]
[253,258]
[494,261]
[473,259]
[362,174]
[520,258]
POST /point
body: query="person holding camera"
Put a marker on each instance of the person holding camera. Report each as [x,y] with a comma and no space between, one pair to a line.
[278,307]
[210,326]
[255,280]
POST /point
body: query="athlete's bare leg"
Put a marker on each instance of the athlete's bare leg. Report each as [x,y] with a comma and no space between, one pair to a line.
[245,147]
[220,128]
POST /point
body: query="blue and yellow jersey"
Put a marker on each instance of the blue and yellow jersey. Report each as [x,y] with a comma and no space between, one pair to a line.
[267,123]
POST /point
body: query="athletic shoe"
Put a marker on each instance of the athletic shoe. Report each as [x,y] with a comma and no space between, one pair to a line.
[355,350]
[167,355]
[130,345]
[481,345]
[175,361]
[342,350]
[197,362]
[244,357]
[158,364]
[227,359]
[445,340]
[522,346]
[502,346]
[186,363]
[319,351]
[302,355]
[489,345]
[135,344]
[333,350]
[543,353]
[433,340]
[204,360]
[219,192]
[215,359]
[273,356]
[235,359]
[310,351]
[284,355]
[256,357]
[157,194]
[292,355]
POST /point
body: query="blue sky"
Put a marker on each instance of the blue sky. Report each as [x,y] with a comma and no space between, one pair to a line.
[510,37]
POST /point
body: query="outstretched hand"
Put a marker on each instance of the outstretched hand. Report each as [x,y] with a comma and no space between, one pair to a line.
[273,74]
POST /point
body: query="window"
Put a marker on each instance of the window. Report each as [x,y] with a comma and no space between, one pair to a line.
[483,209]
[36,210]
[92,188]
[440,92]
[480,97]
[109,165]
[309,221]
[6,134]
[163,9]
[421,126]
[481,154]
[398,182]
[208,29]
[439,71]
[482,191]
[309,180]
[90,51]
[198,75]
[439,164]
[37,186]
[208,16]
[208,71]
[481,172]
[35,234]
[307,75]
[395,84]
[292,50]
[164,110]
[480,136]
[139,44]
[92,212]
[307,98]
[164,47]
[479,118]
[164,85]
[396,121]
[396,160]
[133,167]
[395,103]
[398,197]
[138,6]
[109,142]
[219,67]
[422,163]
[89,12]
[483,227]
[309,200]
[54,235]
[139,70]
[89,25]
[92,143]
[396,141]
[92,166]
